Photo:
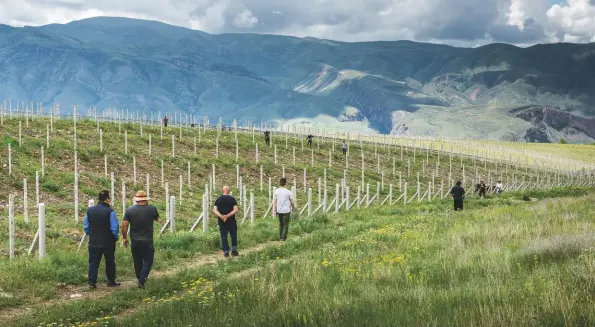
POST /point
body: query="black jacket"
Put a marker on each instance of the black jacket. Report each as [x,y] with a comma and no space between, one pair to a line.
[100,232]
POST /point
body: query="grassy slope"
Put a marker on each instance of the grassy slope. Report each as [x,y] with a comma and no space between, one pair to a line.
[37,281]
[501,262]
[563,157]
[502,266]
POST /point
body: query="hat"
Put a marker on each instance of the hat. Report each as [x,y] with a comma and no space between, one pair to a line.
[140,196]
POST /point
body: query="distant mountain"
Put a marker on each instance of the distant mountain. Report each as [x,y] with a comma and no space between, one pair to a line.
[396,87]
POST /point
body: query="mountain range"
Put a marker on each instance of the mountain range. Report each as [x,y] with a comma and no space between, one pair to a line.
[399,87]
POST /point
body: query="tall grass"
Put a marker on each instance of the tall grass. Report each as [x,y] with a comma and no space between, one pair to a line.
[481,268]
[492,265]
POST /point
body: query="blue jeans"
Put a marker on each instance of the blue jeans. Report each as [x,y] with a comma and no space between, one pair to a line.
[232,229]
[95,255]
[143,254]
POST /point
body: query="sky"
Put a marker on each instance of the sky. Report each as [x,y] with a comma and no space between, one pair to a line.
[454,22]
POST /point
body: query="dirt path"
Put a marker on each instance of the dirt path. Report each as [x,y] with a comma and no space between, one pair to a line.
[81,292]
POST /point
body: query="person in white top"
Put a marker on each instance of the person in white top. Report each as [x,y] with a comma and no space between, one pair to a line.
[283,204]
[499,187]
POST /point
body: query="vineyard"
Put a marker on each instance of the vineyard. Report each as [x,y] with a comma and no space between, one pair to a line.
[52,167]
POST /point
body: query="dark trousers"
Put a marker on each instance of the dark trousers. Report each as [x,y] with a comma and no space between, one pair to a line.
[310,143]
[344,151]
[95,254]
[458,204]
[283,225]
[143,254]
[232,230]
[268,141]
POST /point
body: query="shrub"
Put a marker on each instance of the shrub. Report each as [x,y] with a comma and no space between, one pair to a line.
[50,186]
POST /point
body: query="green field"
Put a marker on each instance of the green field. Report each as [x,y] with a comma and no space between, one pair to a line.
[520,259]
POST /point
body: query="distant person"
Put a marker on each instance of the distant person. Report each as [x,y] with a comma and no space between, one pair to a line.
[141,218]
[267,137]
[226,208]
[310,137]
[458,195]
[499,188]
[482,189]
[101,224]
[283,204]
[344,148]
[165,121]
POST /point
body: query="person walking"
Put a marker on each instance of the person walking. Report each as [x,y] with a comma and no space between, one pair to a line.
[267,137]
[499,188]
[140,217]
[344,148]
[101,224]
[458,195]
[310,137]
[482,189]
[165,121]
[226,208]
[283,204]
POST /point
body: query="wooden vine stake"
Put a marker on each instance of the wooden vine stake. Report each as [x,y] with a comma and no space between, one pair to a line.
[173,146]
[134,170]
[41,230]
[11,225]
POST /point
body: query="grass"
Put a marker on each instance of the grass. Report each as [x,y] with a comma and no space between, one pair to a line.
[31,282]
[490,265]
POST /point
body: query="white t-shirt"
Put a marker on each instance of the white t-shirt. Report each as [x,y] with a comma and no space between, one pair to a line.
[283,197]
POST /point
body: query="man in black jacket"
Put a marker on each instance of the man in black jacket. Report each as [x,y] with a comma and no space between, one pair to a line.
[458,194]
[101,224]
[267,137]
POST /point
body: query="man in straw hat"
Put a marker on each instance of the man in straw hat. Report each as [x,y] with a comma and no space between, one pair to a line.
[140,217]
[226,208]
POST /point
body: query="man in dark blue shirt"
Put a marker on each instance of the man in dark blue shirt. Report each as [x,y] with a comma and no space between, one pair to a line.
[101,224]
[226,208]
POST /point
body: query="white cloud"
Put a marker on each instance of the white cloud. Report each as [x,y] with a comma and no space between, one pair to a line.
[574,20]
[457,22]
[210,16]
[516,14]
[245,19]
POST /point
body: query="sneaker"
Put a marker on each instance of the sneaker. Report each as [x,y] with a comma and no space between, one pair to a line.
[92,286]
[235,253]
[113,284]
[141,283]
[226,254]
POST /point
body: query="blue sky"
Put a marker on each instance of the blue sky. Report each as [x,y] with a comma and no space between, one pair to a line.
[456,22]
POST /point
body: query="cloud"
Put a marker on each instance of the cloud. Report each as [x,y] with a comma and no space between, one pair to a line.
[245,19]
[455,22]
[527,32]
[210,16]
[575,21]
